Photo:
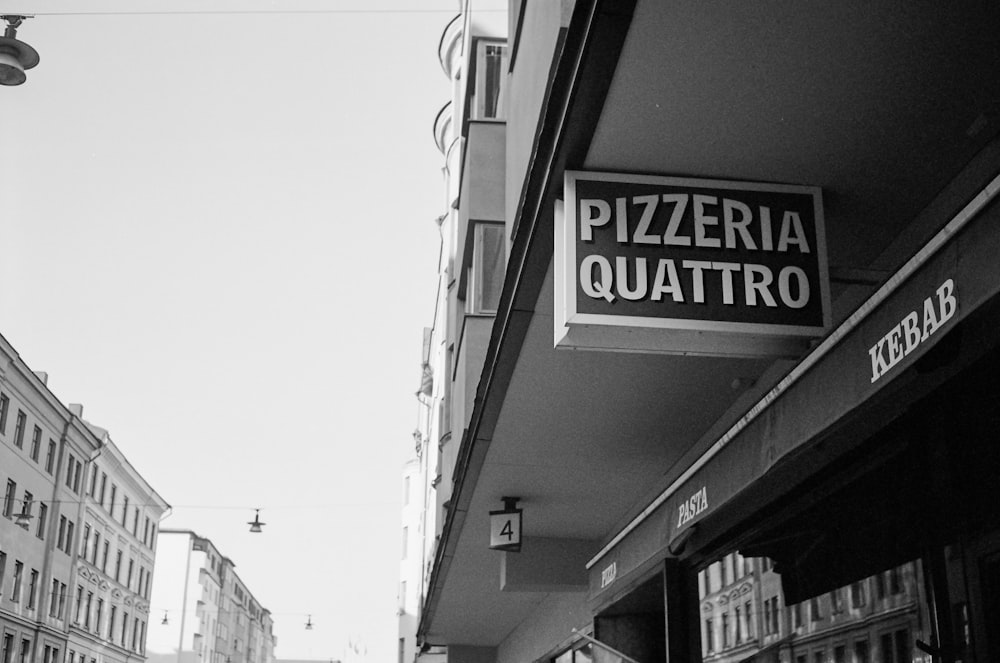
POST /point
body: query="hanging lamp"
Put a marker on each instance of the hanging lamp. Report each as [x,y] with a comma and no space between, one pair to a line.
[255,524]
[15,55]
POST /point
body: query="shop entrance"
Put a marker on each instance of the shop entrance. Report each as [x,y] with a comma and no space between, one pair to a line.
[636,624]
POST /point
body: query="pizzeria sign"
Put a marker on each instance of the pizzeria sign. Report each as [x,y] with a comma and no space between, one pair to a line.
[690,266]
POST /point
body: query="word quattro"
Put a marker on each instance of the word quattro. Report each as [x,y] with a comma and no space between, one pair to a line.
[674,224]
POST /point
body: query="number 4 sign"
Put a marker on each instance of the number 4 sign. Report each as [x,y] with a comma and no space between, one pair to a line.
[505,529]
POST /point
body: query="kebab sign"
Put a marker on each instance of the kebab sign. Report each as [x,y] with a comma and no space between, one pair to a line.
[689,266]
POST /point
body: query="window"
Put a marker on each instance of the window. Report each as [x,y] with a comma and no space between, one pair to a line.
[725,630]
[62,601]
[9,498]
[145,532]
[879,586]
[767,617]
[25,650]
[485,276]
[895,580]
[97,546]
[61,541]
[22,421]
[709,636]
[748,629]
[111,504]
[3,570]
[26,505]
[738,625]
[92,490]
[104,557]
[99,615]
[128,578]
[111,622]
[818,656]
[814,612]
[50,456]
[491,68]
[76,477]
[43,513]
[104,484]
[15,595]
[54,598]
[858,597]
[86,540]
[839,654]
[124,510]
[774,614]
[135,634]
[89,605]
[796,615]
[406,535]
[69,536]
[8,648]
[70,464]
[32,588]
[36,443]
[4,405]
[118,566]
[836,602]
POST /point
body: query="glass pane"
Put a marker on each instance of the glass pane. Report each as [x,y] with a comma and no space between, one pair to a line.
[744,617]
[491,267]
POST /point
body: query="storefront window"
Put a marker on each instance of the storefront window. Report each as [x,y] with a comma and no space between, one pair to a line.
[838,629]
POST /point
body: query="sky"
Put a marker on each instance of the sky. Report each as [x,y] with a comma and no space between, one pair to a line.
[217,234]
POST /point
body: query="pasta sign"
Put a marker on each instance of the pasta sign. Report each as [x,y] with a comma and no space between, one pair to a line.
[658,264]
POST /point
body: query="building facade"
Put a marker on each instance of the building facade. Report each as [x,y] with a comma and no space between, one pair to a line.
[208,612]
[115,560]
[726,372]
[469,133]
[60,601]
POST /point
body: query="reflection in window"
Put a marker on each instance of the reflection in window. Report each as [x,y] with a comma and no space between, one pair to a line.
[864,631]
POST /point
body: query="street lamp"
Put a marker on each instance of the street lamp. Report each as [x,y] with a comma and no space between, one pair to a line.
[15,55]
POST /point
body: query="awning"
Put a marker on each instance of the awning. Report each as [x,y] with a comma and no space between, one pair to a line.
[859,363]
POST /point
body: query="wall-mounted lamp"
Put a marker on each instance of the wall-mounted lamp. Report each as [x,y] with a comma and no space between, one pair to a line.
[15,55]
[23,519]
[255,524]
[505,526]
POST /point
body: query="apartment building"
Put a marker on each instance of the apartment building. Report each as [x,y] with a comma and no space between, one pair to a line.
[115,560]
[469,132]
[62,597]
[743,301]
[208,613]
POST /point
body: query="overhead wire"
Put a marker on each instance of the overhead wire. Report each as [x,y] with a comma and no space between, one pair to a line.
[187,12]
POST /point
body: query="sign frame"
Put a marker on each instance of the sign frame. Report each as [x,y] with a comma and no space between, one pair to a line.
[501,520]
[575,329]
